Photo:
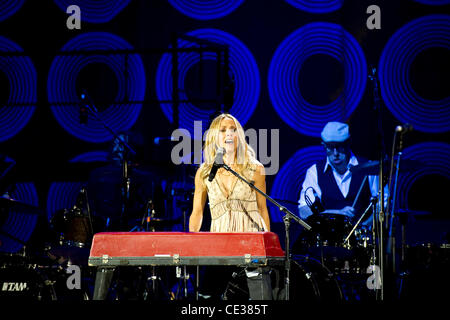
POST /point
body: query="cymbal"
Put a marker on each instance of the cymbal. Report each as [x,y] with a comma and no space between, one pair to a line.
[16,205]
[413,212]
[373,167]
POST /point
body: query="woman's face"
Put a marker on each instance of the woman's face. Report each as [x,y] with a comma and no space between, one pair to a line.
[228,135]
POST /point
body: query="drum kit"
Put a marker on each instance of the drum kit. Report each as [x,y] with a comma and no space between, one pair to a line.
[41,269]
[333,260]
[338,259]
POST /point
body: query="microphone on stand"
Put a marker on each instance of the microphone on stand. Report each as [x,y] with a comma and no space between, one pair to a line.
[316,206]
[218,162]
[404,128]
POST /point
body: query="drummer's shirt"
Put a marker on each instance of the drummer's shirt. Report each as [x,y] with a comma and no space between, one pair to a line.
[342,181]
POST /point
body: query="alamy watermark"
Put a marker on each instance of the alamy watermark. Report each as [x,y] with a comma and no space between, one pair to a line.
[260,140]
[74,20]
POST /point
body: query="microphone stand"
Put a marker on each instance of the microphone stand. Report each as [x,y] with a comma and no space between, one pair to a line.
[391,246]
[125,186]
[287,220]
[382,150]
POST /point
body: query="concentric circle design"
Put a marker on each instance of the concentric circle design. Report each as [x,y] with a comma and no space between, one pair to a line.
[288,182]
[402,48]
[434,2]
[19,225]
[63,194]
[206,10]
[433,157]
[317,6]
[315,38]
[95,11]
[61,86]
[9,7]
[91,156]
[242,65]
[22,78]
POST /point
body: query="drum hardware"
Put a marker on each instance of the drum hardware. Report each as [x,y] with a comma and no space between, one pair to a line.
[149,223]
[372,205]
[124,151]
[148,219]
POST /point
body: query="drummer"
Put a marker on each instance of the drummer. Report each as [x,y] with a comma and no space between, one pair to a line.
[339,191]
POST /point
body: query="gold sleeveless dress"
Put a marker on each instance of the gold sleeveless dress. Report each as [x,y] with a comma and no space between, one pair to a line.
[236,211]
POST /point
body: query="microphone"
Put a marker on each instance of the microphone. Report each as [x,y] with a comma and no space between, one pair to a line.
[317,206]
[404,128]
[218,162]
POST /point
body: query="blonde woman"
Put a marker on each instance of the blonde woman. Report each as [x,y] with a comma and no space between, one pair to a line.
[234,206]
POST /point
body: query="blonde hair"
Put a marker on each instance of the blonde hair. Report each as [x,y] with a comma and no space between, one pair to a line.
[245,156]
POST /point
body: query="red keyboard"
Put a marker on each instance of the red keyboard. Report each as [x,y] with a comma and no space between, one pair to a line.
[110,249]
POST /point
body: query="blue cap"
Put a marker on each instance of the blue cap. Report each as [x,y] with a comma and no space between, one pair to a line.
[335,132]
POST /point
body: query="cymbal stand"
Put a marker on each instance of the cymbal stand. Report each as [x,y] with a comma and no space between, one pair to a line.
[90,106]
[152,276]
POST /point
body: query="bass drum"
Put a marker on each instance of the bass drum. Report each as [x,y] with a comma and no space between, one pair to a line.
[38,283]
[25,282]
[311,281]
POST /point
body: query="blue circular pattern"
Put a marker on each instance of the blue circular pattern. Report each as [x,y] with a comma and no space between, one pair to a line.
[95,11]
[317,6]
[61,86]
[315,38]
[398,54]
[63,194]
[206,10]
[434,2]
[288,182]
[20,225]
[91,156]
[22,79]
[9,7]
[433,157]
[242,65]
